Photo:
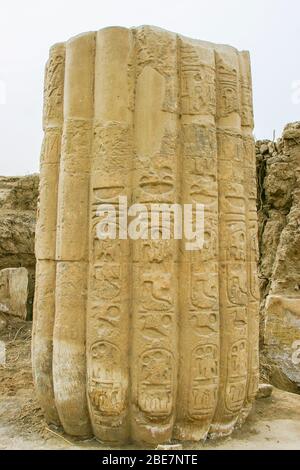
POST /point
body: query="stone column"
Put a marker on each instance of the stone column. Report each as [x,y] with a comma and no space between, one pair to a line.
[152,340]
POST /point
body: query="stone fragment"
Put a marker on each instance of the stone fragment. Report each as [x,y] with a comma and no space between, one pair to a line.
[3,322]
[264,391]
[264,149]
[271,148]
[14,291]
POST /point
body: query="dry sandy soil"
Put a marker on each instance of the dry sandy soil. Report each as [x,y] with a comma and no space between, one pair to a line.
[273,424]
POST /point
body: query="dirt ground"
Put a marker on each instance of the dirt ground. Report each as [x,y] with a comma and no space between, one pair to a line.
[273,424]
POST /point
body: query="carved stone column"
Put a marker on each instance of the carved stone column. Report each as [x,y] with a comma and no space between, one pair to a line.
[143,339]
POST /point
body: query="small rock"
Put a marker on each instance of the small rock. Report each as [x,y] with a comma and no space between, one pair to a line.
[279,145]
[3,323]
[271,148]
[13,291]
[3,308]
[264,149]
[264,391]
[169,447]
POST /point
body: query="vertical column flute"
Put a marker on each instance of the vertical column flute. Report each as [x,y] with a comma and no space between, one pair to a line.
[155,304]
[69,365]
[232,245]
[199,300]
[109,272]
[45,246]
[252,230]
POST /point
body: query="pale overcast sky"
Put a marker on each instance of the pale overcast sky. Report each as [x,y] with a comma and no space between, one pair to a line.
[269,29]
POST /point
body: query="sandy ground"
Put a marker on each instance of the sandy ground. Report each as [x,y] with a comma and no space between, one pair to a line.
[273,424]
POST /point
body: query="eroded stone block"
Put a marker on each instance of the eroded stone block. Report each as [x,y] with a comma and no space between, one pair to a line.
[14,291]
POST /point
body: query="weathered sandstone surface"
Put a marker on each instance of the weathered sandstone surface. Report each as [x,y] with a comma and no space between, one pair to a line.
[18,202]
[142,339]
[278,168]
[13,291]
